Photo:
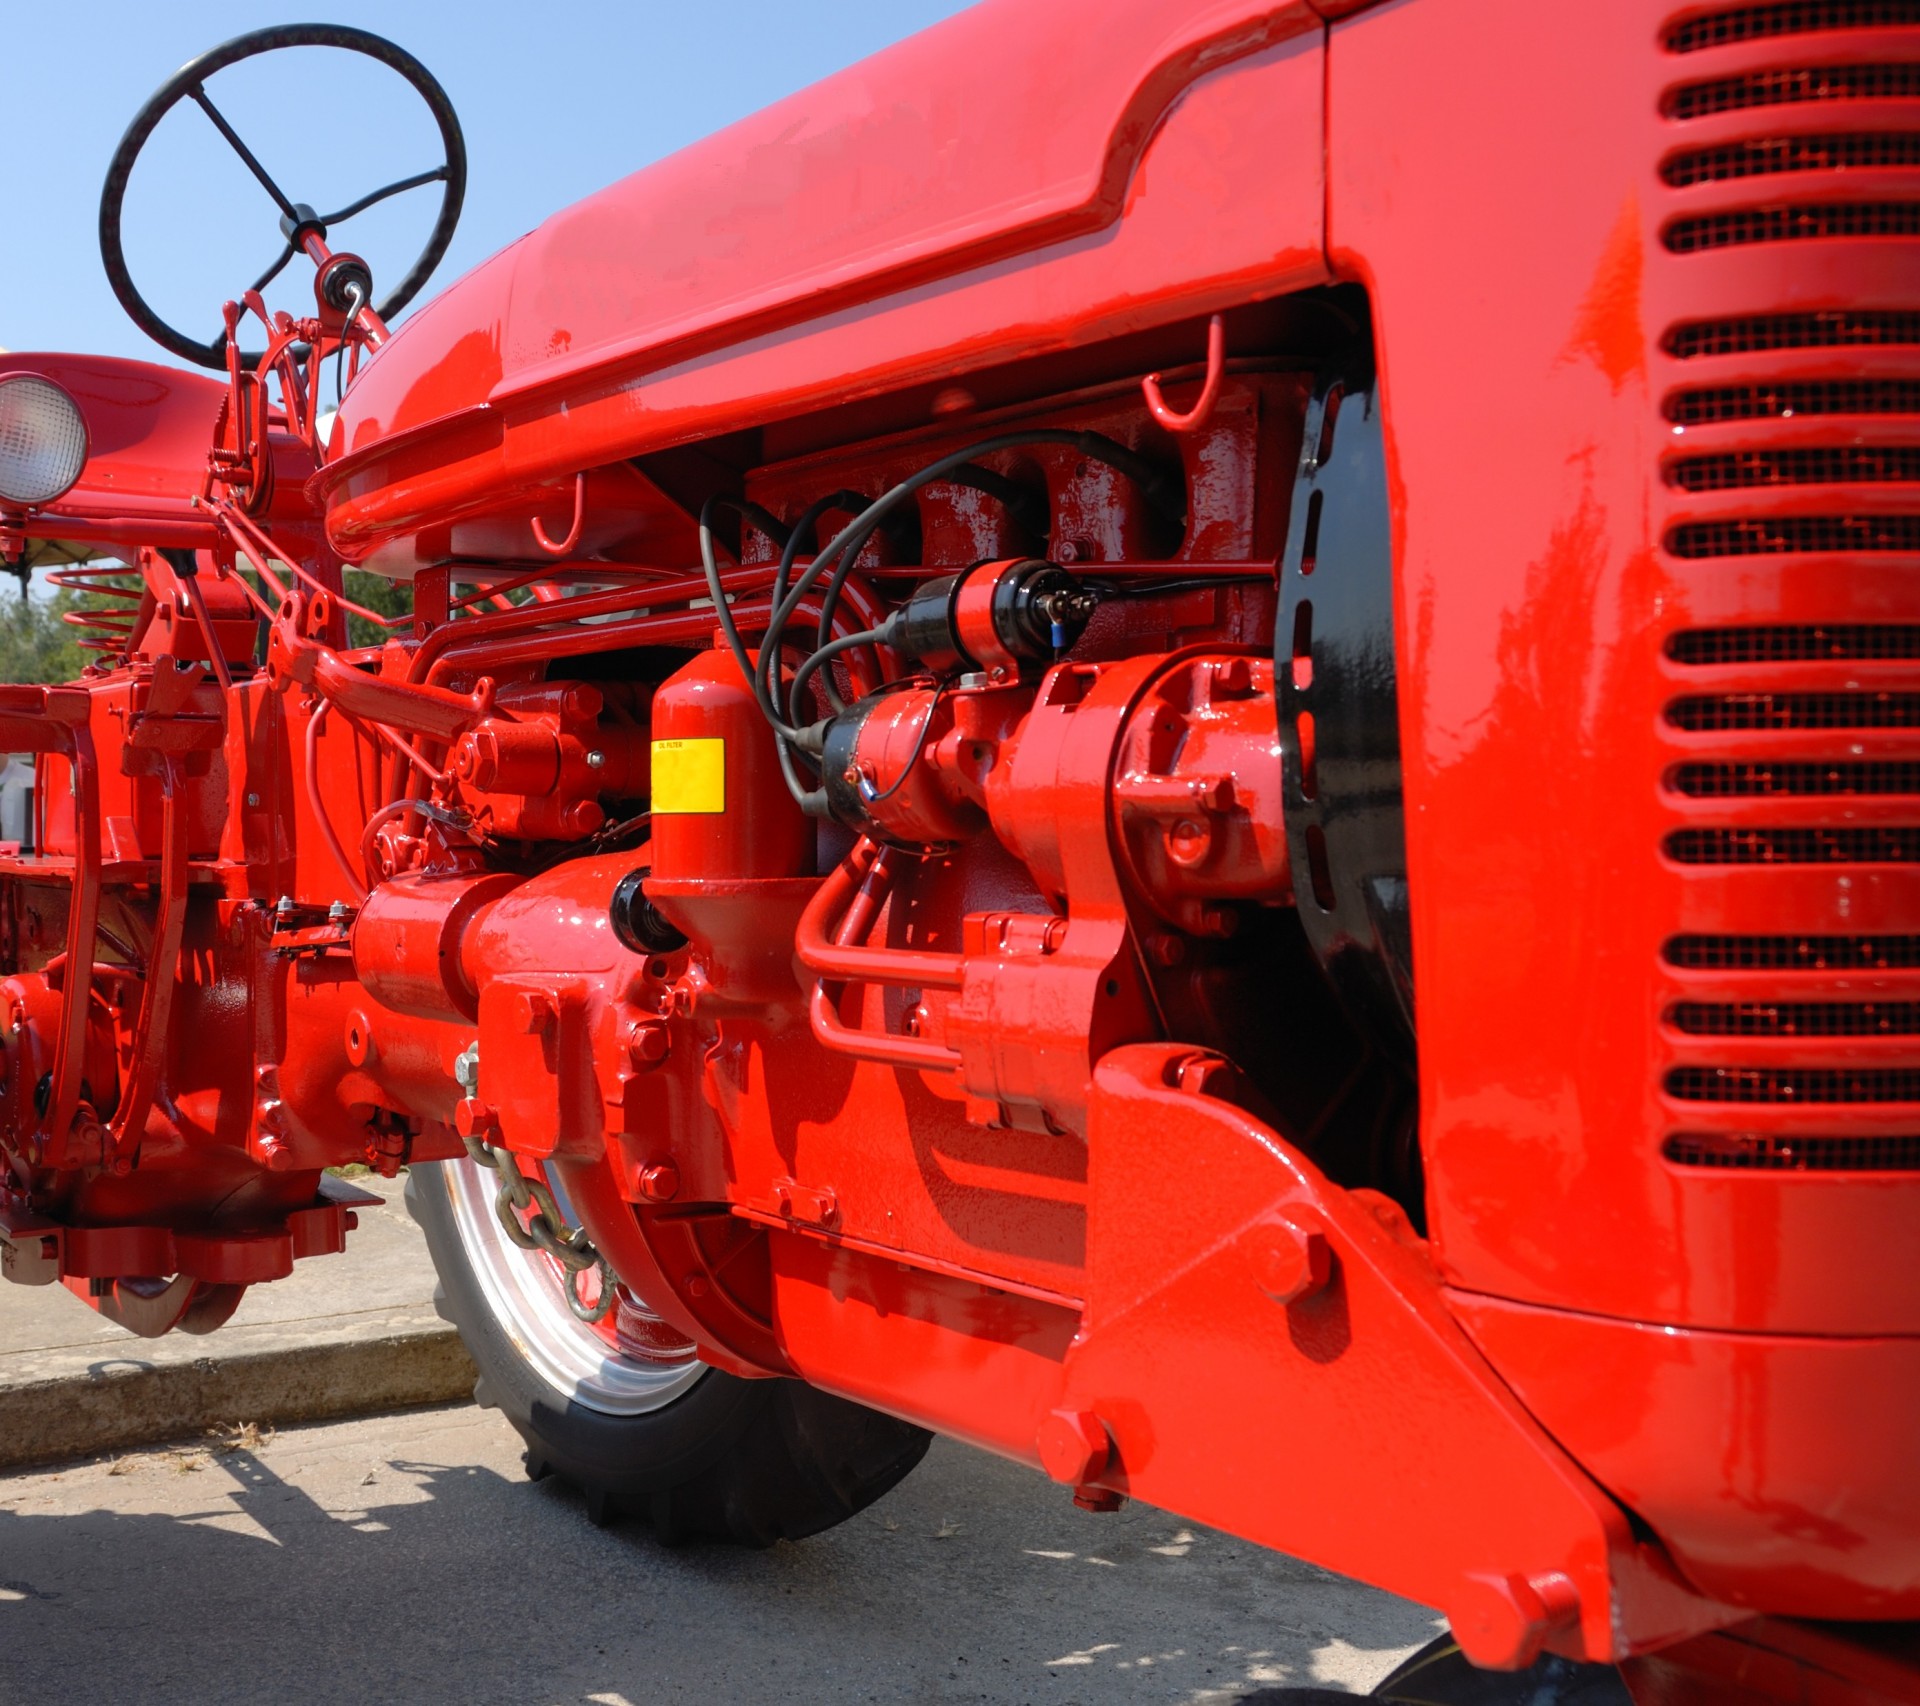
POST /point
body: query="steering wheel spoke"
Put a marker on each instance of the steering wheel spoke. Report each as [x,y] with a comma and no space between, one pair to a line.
[189,84]
[274,271]
[418,181]
[198,94]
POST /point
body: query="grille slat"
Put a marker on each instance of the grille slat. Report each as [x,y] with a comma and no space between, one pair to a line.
[1778,1153]
[1796,1018]
[1794,1084]
[1794,86]
[1766,781]
[1748,225]
[1794,397]
[1824,465]
[1784,535]
[1787,18]
[1840,642]
[1793,953]
[1747,711]
[1839,329]
[1777,156]
[1873,845]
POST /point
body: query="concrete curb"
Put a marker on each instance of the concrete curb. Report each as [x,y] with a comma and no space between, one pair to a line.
[116,1405]
[346,1335]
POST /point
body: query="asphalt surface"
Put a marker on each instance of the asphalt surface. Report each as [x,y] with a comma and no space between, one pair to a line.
[406,1558]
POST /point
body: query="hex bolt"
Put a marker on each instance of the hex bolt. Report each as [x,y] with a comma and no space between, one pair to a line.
[1503,1622]
[660,1182]
[1074,1446]
[1165,949]
[1292,1259]
[1102,1501]
[596,759]
[647,1043]
[533,1013]
[276,1156]
[473,1118]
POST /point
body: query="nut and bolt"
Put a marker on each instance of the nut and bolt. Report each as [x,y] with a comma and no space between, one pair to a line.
[660,1181]
[647,1042]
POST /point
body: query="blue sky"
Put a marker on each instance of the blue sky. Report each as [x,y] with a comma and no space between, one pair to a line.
[556,100]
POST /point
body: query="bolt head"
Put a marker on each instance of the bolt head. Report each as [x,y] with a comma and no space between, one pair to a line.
[1166,949]
[1503,1622]
[276,1155]
[1074,1446]
[583,817]
[647,1042]
[533,1013]
[596,760]
[1292,1261]
[1100,1500]
[660,1182]
[472,1117]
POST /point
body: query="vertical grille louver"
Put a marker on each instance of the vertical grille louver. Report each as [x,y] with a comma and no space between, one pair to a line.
[1793,460]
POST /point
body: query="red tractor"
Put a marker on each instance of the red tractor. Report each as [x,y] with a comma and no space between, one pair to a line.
[1207,770]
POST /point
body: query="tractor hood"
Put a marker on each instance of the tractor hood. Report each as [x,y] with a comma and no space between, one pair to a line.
[1006,130]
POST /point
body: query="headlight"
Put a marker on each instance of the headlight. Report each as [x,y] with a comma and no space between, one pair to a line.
[43,440]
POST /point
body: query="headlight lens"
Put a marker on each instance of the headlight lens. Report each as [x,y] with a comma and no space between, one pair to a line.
[43,439]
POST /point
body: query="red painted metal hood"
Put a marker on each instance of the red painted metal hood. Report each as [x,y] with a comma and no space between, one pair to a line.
[1002,130]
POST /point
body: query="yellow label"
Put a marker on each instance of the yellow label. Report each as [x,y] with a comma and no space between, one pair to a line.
[690,776]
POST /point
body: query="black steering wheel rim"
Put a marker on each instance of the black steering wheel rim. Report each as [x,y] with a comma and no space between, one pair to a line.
[188,79]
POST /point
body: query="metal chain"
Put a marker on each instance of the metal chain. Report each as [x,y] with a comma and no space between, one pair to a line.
[546,1229]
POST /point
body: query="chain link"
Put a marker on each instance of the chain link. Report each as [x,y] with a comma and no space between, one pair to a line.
[546,1229]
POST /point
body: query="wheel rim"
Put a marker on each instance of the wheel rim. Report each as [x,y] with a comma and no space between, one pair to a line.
[525,1291]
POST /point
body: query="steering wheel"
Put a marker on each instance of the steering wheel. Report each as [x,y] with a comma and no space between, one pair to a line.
[189,83]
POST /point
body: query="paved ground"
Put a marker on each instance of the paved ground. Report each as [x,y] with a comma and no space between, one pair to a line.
[404,1558]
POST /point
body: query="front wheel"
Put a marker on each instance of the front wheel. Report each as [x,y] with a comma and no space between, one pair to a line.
[624,1410]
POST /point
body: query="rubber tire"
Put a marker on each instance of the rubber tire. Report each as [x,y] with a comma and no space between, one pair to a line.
[746,1462]
[1439,1675]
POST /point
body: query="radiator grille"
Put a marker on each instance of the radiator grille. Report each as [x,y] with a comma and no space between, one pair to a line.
[1793,224]
[1820,722]
[1761,781]
[1774,156]
[1766,1151]
[1826,466]
[1794,86]
[1730,711]
[1796,1018]
[1794,953]
[1839,329]
[1789,18]
[1841,642]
